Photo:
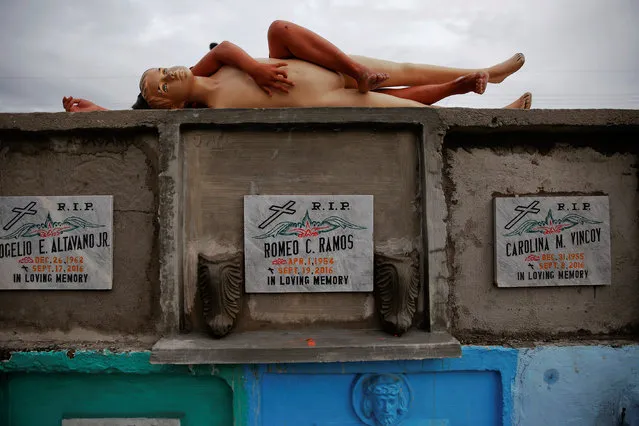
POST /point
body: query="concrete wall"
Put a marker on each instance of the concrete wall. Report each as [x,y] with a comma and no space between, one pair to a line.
[481,166]
[448,163]
[120,162]
[445,164]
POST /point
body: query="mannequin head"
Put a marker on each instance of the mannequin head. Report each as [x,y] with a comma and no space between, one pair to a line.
[167,88]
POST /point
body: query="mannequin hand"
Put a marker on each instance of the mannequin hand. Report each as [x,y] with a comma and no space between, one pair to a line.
[72,104]
[271,77]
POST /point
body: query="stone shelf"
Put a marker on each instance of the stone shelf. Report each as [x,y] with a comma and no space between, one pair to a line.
[303,346]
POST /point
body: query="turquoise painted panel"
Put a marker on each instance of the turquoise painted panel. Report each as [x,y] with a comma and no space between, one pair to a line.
[96,362]
[4,401]
[577,385]
[135,365]
[45,399]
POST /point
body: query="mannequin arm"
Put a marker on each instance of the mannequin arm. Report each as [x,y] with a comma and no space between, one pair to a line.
[225,53]
[267,76]
[72,104]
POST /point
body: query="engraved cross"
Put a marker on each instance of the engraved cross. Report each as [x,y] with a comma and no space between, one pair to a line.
[523,211]
[20,213]
[278,211]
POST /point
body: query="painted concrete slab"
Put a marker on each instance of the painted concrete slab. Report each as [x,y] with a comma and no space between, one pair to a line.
[577,385]
[552,241]
[138,421]
[437,399]
[56,243]
[308,243]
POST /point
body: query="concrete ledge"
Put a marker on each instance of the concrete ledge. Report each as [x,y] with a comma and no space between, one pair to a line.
[74,339]
[450,118]
[308,346]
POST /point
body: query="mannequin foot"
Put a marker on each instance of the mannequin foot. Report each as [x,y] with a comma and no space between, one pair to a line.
[369,80]
[475,82]
[524,102]
[499,72]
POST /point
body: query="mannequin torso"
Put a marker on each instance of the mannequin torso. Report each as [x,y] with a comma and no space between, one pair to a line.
[233,88]
[315,86]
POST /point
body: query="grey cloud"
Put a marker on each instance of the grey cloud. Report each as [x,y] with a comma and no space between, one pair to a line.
[579,53]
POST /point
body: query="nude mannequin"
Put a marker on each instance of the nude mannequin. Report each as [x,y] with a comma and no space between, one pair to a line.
[227,77]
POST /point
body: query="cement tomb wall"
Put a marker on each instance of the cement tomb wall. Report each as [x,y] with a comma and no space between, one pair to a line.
[119,163]
[463,158]
[481,166]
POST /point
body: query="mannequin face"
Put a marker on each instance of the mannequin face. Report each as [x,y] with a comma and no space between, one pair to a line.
[167,87]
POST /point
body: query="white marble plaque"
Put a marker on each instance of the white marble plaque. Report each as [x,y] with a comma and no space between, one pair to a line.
[308,243]
[138,421]
[552,241]
[56,243]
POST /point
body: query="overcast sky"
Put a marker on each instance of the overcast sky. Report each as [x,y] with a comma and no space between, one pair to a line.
[579,53]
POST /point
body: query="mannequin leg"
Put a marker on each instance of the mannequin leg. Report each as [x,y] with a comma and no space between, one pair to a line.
[524,102]
[410,74]
[352,98]
[431,93]
[288,40]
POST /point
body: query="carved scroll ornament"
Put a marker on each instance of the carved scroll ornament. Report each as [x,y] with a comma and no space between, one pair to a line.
[220,282]
[396,290]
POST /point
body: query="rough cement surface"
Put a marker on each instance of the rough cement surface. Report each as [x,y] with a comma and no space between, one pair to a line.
[436,269]
[72,340]
[480,168]
[553,120]
[223,166]
[90,164]
[170,227]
